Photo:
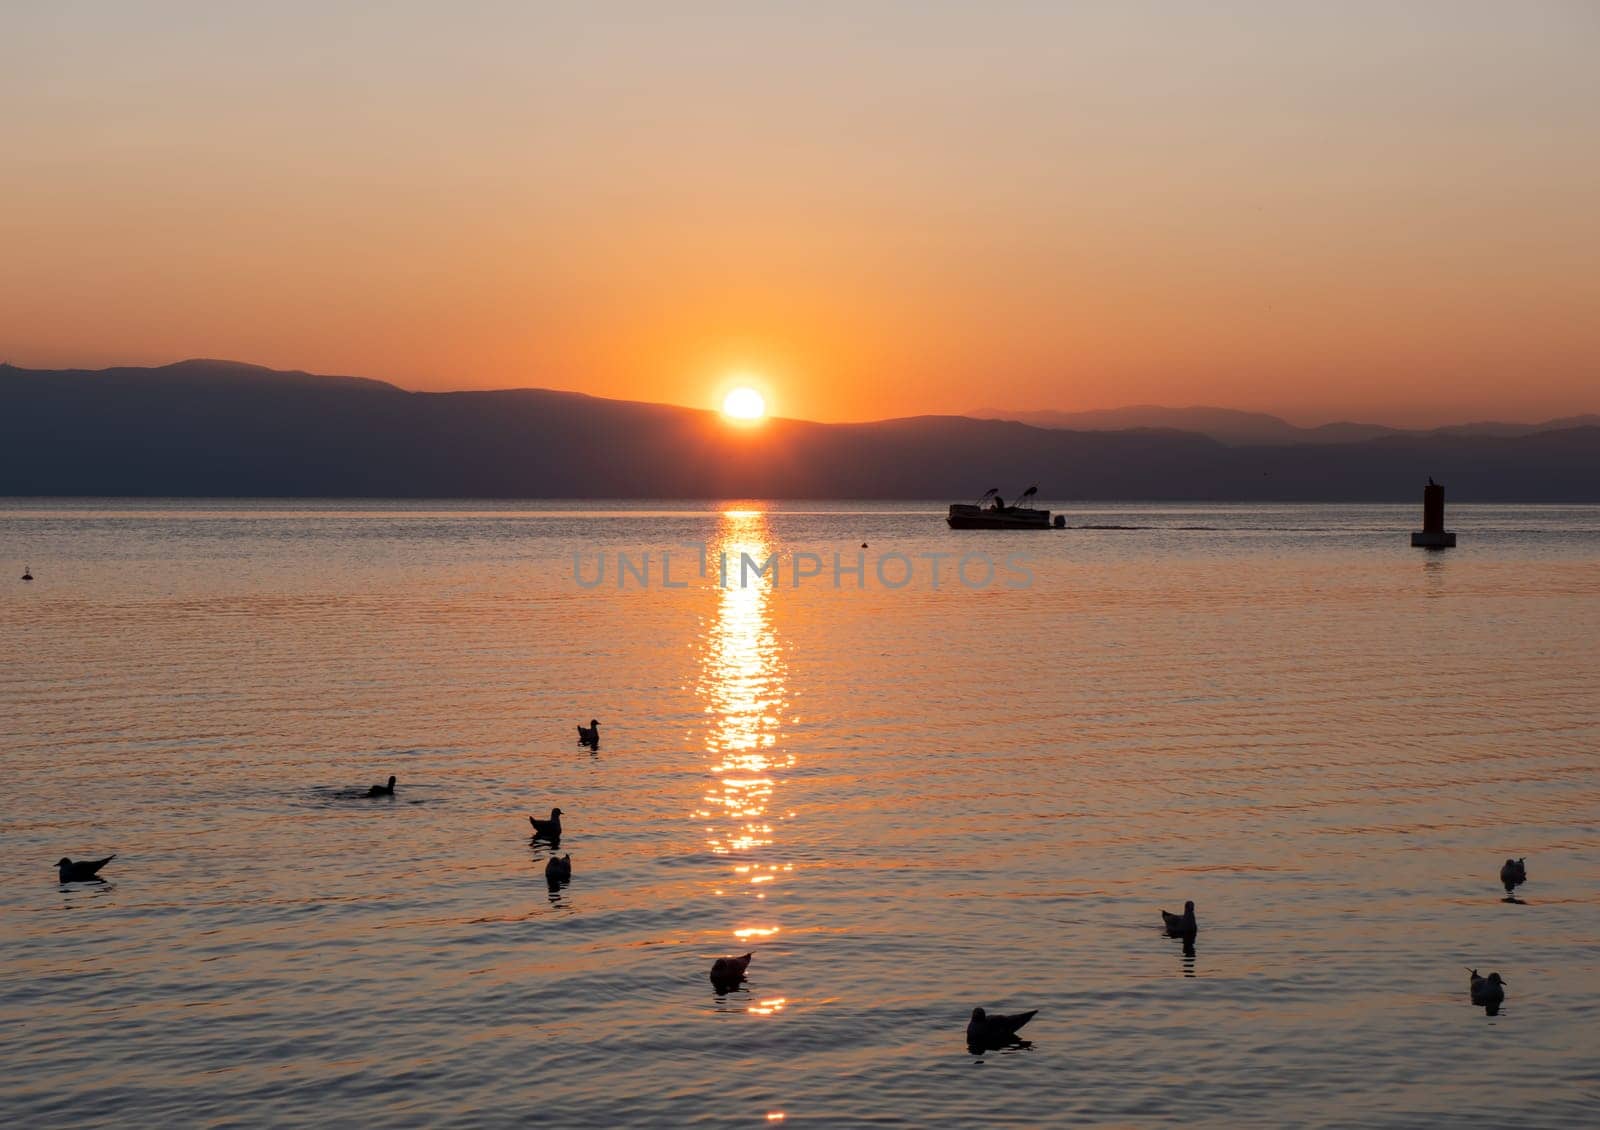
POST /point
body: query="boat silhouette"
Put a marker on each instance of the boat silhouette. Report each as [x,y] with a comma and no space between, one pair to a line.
[991,513]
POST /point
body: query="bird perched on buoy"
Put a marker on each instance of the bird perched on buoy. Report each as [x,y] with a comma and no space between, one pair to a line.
[559,870]
[383,790]
[986,1031]
[83,870]
[727,972]
[1488,991]
[1181,925]
[547,829]
[590,734]
[1513,874]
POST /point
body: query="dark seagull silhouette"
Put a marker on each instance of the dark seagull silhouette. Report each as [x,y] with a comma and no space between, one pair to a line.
[727,972]
[383,790]
[1181,925]
[1487,991]
[547,829]
[83,870]
[558,871]
[1513,873]
[985,1031]
[590,735]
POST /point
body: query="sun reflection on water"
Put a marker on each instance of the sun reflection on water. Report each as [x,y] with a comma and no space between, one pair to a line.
[742,684]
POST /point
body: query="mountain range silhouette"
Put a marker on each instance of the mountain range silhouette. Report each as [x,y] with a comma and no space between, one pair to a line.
[206,428]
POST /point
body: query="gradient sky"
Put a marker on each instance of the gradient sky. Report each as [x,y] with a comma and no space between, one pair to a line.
[1362,210]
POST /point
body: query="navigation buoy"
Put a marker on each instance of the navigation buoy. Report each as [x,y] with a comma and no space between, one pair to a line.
[1433,535]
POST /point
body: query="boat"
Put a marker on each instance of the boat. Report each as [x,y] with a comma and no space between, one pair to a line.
[991,513]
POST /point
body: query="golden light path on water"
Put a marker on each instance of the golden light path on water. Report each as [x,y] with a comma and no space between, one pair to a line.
[742,684]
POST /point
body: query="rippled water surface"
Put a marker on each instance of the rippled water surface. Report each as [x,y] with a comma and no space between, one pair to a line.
[905,802]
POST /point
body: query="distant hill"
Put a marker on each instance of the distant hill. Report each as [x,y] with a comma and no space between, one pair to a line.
[221,429]
[1233,427]
[1225,425]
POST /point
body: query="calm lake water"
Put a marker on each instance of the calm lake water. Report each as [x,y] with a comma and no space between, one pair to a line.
[906,802]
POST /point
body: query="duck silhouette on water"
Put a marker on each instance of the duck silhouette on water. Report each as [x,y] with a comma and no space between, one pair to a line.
[547,829]
[1487,991]
[383,790]
[991,1031]
[1513,873]
[558,871]
[590,735]
[1181,925]
[82,870]
[728,972]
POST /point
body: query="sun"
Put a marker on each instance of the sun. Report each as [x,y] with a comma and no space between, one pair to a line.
[745,404]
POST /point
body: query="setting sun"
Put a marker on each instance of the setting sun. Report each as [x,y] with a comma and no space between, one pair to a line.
[744,404]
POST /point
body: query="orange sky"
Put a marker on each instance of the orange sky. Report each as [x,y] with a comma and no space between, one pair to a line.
[1376,211]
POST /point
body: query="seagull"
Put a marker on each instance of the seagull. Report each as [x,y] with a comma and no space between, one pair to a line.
[83,871]
[559,870]
[1514,873]
[985,1031]
[383,790]
[547,829]
[590,734]
[727,972]
[1488,991]
[1181,925]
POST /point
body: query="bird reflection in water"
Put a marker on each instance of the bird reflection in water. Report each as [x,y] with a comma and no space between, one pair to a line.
[556,877]
[742,685]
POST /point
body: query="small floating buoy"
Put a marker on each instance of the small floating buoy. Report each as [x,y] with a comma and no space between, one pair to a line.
[863,545]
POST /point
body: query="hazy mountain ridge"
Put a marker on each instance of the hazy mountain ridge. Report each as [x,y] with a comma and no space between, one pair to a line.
[219,429]
[1235,427]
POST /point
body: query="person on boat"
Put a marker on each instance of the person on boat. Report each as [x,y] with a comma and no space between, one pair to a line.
[998,504]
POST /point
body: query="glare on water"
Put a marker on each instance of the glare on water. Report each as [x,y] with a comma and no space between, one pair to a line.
[742,684]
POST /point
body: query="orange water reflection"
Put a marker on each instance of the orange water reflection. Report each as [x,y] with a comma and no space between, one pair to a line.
[742,684]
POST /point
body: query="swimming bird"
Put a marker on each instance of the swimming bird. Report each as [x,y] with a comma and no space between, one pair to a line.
[1181,925]
[27,572]
[559,870]
[83,871]
[985,1031]
[1514,873]
[590,734]
[383,790]
[727,972]
[1488,991]
[547,829]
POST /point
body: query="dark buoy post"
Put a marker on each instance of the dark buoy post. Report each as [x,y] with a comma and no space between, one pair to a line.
[1433,535]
